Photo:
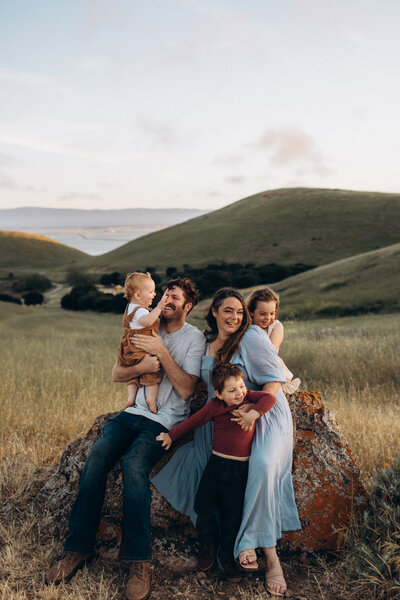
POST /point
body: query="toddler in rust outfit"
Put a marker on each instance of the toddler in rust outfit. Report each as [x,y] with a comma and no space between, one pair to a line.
[223,482]
[138,318]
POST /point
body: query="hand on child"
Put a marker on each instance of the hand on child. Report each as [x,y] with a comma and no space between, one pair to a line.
[246,420]
[243,409]
[165,440]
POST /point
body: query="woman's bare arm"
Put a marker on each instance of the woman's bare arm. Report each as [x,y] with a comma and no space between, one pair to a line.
[272,387]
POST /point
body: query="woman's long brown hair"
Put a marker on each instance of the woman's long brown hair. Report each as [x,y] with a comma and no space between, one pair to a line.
[232,343]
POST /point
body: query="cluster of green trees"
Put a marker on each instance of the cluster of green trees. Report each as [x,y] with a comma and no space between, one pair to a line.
[32,284]
[214,276]
[87,297]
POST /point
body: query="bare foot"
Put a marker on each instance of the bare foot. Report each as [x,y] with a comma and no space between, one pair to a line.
[152,404]
[275,582]
[248,560]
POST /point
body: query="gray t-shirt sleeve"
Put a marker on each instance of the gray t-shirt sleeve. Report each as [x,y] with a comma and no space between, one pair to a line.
[192,361]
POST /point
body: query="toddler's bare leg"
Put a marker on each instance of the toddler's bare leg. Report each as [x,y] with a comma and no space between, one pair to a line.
[151,397]
[132,391]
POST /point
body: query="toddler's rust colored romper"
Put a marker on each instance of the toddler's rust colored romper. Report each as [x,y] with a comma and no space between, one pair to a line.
[129,355]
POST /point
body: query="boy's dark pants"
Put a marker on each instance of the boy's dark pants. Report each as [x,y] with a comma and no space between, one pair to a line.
[221,487]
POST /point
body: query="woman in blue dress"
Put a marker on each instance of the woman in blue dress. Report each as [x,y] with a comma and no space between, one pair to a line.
[269,506]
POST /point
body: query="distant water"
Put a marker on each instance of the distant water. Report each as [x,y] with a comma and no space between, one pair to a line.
[94,241]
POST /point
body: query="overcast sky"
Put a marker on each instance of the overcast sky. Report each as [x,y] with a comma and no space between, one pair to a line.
[195,103]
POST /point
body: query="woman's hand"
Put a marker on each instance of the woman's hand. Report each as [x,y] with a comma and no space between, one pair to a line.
[165,440]
[246,421]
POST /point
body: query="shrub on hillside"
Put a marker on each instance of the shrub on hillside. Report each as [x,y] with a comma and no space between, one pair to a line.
[32,282]
[87,297]
[32,298]
[373,539]
[76,276]
[71,301]
[9,298]
[114,278]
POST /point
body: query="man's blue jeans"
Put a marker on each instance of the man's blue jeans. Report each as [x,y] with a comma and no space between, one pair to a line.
[134,437]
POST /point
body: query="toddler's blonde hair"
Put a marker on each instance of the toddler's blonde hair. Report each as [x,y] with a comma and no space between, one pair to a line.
[134,283]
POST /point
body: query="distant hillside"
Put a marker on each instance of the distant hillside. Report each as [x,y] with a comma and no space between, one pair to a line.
[24,250]
[313,226]
[369,282]
[31,218]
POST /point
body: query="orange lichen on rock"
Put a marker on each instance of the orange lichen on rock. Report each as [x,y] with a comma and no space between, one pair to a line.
[325,478]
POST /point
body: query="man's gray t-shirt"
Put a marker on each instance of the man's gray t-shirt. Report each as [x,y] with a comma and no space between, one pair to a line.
[186,346]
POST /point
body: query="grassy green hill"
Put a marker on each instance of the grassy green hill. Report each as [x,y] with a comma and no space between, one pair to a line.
[368,282]
[313,226]
[27,251]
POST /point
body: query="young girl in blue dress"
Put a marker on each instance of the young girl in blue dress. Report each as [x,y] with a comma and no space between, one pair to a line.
[263,307]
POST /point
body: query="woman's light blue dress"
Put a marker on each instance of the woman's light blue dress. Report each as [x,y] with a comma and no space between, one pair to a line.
[269,505]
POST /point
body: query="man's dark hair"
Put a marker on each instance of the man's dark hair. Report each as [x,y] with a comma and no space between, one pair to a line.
[220,374]
[188,288]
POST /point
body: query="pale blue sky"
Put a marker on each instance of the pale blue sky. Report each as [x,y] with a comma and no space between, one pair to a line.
[195,103]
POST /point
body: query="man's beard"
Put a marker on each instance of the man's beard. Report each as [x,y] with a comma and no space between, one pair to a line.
[175,314]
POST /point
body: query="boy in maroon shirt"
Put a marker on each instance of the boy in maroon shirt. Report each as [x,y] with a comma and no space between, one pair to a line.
[223,483]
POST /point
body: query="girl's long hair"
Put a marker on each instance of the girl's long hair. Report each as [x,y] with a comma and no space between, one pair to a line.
[264,295]
[232,343]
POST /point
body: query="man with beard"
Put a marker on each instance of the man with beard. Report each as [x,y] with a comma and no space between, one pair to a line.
[132,434]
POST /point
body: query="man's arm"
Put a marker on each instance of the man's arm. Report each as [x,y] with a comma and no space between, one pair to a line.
[183,382]
[148,364]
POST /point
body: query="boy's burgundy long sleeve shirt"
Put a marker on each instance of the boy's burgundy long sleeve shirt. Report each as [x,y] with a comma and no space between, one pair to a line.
[228,438]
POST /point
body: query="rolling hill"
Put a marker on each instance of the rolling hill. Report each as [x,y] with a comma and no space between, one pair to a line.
[313,226]
[368,282]
[24,250]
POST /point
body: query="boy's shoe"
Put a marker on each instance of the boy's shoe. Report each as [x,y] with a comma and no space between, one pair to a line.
[207,557]
[230,571]
[66,568]
[139,582]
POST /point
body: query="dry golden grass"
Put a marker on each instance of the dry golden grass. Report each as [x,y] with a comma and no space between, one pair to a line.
[55,372]
[354,363]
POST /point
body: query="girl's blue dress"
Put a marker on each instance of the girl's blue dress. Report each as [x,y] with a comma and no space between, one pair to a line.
[269,505]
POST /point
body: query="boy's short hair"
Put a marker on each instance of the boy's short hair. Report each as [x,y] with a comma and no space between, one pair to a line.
[188,288]
[134,282]
[220,374]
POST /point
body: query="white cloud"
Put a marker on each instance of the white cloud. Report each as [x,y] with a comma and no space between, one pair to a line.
[235,179]
[290,146]
[230,160]
[79,196]
[158,132]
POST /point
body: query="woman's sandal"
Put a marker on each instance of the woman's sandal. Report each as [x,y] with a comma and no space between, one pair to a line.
[271,577]
[245,563]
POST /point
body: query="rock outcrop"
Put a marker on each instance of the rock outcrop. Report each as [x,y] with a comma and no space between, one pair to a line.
[325,477]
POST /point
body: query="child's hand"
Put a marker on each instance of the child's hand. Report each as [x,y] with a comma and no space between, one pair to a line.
[246,421]
[243,409]
[165,440]
[164,301]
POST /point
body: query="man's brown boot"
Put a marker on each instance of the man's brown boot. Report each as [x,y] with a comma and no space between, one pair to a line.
[64,569]
[207,557]
[139,582]
[231,572]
